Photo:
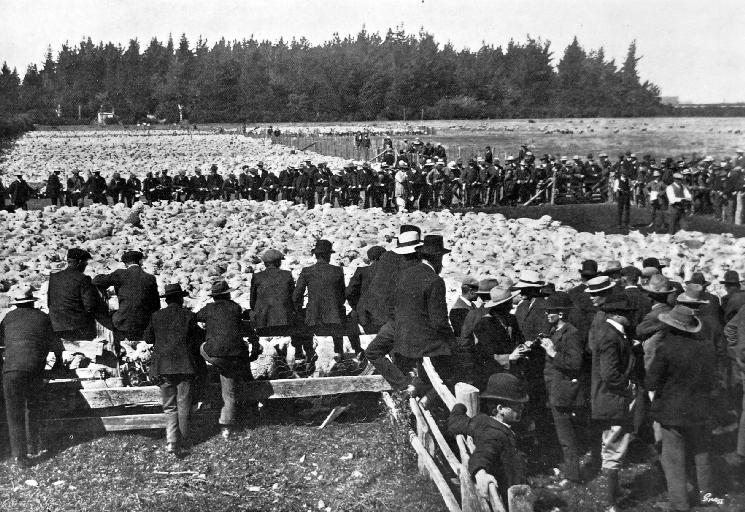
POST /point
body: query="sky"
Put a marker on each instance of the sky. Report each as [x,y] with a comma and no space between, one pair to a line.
[692,49]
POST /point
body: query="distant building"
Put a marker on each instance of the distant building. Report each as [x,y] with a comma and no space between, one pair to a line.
[104,116]
[670,100]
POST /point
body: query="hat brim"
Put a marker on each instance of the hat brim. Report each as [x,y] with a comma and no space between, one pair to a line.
[407,249]
[491,303]
[182,293]
[316,251]
[23,301]
[684,299]
[729,282]
[595,291]
[617,308]
[520,285]
[426,251]
[229,290]
[665,318]
[520,400]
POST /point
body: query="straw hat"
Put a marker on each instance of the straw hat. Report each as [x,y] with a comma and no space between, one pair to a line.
[498,296]
[529,279]
[599,284]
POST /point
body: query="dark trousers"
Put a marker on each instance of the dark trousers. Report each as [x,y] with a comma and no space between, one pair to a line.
[176,397]
[624,205]
[398,372]
[565,431]
[677,219]
[303,346]
[679,444]
[23,392]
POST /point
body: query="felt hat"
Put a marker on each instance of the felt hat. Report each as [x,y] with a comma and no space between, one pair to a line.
[693,296]
[650,271]
[375,252]
[698,278]
[470,281]
[498,296]
[589,269]
[652,262]
[614,267]
[618,302]
[75,253]
[486,285]
[529,279]
[658,285]
[132,256]
[432,245]
[322,247]
[599,285]
[220,288]
[677,176]
[505,386]
[22,295]
[407,242]
[174,290]
[682,318]
[272,255]
[631,271]
[559,301]
[731,277]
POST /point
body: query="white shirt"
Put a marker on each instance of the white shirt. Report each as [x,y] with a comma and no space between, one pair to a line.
[672,192]
[468,302]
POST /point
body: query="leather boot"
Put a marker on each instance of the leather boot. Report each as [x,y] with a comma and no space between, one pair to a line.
[611,488]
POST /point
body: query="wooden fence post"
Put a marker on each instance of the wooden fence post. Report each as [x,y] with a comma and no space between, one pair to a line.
[469,396]
[517,499]
[424,435]
[469,499]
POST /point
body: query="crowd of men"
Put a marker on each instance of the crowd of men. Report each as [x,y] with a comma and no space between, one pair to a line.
[628,357]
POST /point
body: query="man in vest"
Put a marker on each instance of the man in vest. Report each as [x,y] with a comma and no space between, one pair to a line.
[679,197]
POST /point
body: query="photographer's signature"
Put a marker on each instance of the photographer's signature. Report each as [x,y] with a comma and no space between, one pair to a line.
[708,498]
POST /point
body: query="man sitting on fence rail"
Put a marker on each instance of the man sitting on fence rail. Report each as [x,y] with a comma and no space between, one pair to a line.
[496,459]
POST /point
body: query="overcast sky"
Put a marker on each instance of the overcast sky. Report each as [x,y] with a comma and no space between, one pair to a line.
[693,49]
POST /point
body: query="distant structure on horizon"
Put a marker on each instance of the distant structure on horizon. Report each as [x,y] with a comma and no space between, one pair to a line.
[670,100]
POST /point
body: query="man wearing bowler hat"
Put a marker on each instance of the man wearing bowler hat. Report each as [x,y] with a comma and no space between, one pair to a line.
[613,367]
[496,458]
[175,336]
[72,299]
[325,308]
[734,297]
[226,326]
[27,335]
[137,292]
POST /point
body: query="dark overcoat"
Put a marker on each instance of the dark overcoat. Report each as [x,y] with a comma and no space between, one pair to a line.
[176,337]
[612,367]
[73,301]
[325,285]
[137,292]
[562,372]
[271,298]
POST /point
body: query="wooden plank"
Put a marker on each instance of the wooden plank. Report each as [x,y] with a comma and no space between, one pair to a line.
[423,433]
[447,452]
[469,498]
[434,473]
[495,500]
[469,396]
[100,425]
[255,390]
[442,390]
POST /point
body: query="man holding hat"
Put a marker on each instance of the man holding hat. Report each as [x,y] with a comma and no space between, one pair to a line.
[27,335]
[682,379]
[496,459]
[137,292]
[175,336]
[325,308]
[226,326]
[613,367]
[72,300]
[272,309]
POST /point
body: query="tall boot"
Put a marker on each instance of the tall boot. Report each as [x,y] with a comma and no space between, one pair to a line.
[611,489]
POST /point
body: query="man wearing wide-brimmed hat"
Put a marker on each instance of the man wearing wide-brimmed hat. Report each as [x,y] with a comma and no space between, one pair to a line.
[137,292]
[226,326]
[496,459]
[175,336]
[613,368]
[714,307]
[325,308]
[682,376]
[649,330]
[641,303]
[499,343]
[27,335]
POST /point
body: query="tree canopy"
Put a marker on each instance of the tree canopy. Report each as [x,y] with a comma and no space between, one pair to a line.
[362,77]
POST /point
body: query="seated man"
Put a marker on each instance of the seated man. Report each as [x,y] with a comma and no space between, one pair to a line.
[496,458]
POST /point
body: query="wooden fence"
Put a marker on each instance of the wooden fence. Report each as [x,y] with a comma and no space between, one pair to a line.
[430,445]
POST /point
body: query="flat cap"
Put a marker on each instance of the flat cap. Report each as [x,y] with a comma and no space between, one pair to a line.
[76,253]
[271,255]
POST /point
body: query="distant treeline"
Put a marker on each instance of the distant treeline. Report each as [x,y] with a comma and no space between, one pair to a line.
[366,77]
[14,125]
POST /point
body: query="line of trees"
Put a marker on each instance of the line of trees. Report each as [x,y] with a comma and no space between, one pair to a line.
[366,77]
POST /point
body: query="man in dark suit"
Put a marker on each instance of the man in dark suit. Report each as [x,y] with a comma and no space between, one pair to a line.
[639,301]
[325,309]
[26,333]
[358,286]
[420,319]
[198,186]
[272,310]
[137,292]
[54,189]
[72,299]
[20,192]
[734,299]
[469,288]
[176,338]
[582,300]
